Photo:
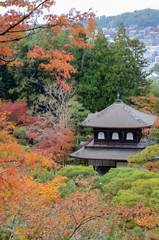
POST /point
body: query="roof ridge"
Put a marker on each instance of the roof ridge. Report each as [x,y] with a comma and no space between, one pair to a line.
[125,106]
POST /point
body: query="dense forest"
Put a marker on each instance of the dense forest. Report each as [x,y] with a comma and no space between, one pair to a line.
[98,71]
[139,18]
[51,77]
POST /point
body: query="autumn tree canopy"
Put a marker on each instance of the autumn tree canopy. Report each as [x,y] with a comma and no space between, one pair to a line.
[20,19]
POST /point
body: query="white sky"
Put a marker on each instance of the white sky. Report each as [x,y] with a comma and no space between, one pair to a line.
[105,7]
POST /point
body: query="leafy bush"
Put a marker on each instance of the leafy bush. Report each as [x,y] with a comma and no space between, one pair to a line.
[155,135]
[100,181]
[44,175]
[20,135]
[69,188]
[129,186]
[77,171]
[142,190]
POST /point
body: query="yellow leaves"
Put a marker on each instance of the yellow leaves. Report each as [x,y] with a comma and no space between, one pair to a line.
[148,220]
[50,191]
[42,192]
[13,63]
[20,233]
[14,154]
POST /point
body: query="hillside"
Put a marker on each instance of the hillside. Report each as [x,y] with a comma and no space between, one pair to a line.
[141,18]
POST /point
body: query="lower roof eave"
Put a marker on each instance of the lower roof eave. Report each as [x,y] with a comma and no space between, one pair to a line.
[103,159]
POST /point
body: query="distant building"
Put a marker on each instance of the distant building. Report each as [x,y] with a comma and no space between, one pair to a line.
[117,135]
[157,60]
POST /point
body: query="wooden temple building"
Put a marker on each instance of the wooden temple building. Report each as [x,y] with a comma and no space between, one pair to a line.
[117,135]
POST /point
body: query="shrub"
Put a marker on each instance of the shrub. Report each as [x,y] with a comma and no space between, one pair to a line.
[20,134]
[44,175]
[77,171]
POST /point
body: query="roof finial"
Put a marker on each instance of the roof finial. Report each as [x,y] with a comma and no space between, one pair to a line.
[118,100]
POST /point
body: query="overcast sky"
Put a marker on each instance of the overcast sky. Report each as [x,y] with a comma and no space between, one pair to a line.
[105,7]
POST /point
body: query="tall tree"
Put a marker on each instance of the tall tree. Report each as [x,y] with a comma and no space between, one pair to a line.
[92,84]
[7,82]
[126,74]
[108,69]
[32,60]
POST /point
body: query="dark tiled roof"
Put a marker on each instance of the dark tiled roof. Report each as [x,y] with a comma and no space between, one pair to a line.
[108,152]
[119,115]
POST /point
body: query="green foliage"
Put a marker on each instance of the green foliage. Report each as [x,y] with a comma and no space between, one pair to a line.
[20,134]
[27,148]
[75,114]
[141,190]
[142,158]
[128,61]
[77,171]
[29,85]
[44,175]
[93,83]
[100,181]
[129,186]
[106,70]
[154,134]
[70,187]
[7,82]
[154,87]
[140,18]
[123,180]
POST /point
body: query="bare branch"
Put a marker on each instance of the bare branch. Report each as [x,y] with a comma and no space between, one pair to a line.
[23,18]
[88,219]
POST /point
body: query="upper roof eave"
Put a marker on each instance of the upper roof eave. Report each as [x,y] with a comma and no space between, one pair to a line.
[119,115]
[123,127]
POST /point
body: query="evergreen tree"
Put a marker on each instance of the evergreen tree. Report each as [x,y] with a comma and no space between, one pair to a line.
[7,82]
[126,75]
[93,82]
[106,70]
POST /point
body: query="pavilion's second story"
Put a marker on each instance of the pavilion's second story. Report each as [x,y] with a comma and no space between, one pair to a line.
[117,136]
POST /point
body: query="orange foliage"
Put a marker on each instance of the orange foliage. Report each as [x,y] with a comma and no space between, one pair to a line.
[57,62]
[5,128]
[14,163]
[21,18]
[21,196]
[147,104]
[77,210]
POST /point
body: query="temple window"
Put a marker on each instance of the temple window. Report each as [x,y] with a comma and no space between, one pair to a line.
[115,136]
[129,136]
[101,135]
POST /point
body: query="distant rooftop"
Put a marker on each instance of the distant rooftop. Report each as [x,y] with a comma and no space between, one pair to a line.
[119,115]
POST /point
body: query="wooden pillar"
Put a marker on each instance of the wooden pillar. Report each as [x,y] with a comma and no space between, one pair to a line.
[122,135]
[86,162]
